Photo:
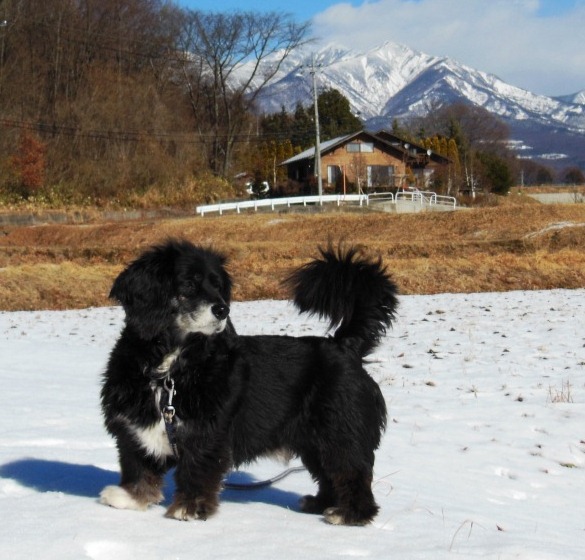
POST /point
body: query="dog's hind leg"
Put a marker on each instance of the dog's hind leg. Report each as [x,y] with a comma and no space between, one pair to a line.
[325,497]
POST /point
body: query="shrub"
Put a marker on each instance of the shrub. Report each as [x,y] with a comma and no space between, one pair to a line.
[28,163]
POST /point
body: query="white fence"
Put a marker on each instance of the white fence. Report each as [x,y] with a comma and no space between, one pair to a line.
[423,198]
[427,198]
[272,203]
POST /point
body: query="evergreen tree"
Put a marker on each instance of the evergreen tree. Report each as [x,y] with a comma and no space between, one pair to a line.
[496,173]
[335,116]
[277,126]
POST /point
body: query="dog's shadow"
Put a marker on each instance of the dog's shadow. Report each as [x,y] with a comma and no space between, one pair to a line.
[88,481]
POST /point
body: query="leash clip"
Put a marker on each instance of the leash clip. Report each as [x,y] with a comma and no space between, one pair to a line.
[169,410]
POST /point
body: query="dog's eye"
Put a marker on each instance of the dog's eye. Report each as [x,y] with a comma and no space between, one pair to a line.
[193,283]
[190,289]
[215,281]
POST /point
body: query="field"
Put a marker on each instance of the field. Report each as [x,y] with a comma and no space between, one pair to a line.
[509,247]
[484,454]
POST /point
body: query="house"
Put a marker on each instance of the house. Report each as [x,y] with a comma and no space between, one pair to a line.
[365,162]
[421,162]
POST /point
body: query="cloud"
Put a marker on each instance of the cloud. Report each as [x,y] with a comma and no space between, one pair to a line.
[509,38]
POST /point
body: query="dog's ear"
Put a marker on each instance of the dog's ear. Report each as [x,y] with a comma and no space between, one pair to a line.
[144,289]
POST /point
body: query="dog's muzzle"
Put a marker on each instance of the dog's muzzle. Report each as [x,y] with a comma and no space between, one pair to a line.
[206,319]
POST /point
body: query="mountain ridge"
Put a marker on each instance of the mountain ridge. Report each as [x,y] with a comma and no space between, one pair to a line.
[393,81]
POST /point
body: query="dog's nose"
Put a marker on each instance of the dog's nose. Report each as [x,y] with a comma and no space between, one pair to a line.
[220,310]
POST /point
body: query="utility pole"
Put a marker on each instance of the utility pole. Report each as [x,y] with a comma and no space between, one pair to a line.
[3,24]
[313,71]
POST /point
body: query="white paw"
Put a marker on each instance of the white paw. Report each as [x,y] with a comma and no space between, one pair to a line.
[181,514]
[332,515]
[117,497]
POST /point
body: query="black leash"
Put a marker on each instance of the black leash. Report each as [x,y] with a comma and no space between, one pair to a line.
[261,483]
[169,415]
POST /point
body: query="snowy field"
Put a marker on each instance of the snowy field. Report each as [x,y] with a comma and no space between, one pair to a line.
[484,456]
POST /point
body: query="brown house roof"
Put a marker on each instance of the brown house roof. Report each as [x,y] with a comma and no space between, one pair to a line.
[413,153]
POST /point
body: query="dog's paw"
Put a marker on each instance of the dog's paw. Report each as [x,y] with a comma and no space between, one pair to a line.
[340,516]
[190,510]
[334,516]
[119,498]
[311,504]
[315,504]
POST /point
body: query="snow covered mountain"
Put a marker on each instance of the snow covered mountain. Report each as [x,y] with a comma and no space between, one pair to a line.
[578,98]
[396,82]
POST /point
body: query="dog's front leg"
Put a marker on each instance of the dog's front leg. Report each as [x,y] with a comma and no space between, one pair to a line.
[141,477]
[199,476]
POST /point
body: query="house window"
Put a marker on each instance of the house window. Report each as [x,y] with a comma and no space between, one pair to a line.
[363,147]
[333,174]
[380,176]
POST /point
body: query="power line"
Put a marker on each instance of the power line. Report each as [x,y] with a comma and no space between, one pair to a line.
[135,135]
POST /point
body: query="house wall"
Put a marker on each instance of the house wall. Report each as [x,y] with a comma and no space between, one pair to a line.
[354,165]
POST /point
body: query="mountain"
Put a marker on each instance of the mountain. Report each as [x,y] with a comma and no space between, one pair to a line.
[396,82]
[578,98]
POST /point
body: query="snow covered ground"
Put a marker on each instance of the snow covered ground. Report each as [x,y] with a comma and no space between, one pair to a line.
[484,456]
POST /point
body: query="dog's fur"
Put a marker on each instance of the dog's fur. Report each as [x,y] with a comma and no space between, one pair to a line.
[242,397]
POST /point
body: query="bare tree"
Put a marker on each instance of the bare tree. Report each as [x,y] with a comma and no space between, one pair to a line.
[227,59]
[474,131]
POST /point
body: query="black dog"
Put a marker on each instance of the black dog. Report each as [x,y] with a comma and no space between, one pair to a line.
[237,398]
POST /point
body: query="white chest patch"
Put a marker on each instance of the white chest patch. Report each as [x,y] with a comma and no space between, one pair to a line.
[154,439]
[167,362]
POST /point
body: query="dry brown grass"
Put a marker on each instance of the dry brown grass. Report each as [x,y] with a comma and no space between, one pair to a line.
[490,249]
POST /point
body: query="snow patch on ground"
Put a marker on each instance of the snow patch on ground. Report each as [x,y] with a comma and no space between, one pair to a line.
[554,227]
[484,455]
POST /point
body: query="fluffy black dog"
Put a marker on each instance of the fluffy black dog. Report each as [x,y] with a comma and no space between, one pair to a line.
[183,389]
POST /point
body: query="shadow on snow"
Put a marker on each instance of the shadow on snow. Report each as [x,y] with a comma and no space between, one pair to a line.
[88,481]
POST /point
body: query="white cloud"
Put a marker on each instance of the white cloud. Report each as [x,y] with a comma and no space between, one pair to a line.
[504,37]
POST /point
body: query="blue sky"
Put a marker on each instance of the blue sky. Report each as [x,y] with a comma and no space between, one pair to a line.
[306,9]
[535,44]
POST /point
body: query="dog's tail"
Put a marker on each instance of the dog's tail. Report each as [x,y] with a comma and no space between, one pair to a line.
[352,291]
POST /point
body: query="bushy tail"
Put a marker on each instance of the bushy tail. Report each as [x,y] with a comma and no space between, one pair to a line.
[352,291]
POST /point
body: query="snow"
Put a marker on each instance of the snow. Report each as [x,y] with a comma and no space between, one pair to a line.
[484,455]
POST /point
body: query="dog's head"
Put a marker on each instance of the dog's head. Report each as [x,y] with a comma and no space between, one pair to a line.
[178,286]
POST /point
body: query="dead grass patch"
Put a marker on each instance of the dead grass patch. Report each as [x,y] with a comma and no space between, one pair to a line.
[485,249]
[562,395]
[54,286]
